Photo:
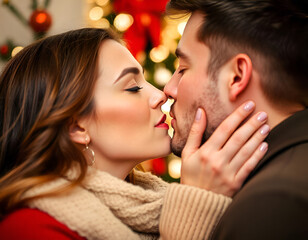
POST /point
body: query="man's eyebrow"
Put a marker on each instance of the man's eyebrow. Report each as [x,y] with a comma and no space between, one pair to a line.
[128,70]
[180,54]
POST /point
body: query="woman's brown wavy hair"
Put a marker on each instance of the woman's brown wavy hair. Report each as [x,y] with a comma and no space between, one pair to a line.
[42,89]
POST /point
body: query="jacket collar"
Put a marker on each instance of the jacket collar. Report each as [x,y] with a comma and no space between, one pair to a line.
[290,132]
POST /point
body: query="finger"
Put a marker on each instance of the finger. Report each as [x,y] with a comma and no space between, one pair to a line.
[243,134]
[249,148]
[246,169]
[195,135]
[230,124]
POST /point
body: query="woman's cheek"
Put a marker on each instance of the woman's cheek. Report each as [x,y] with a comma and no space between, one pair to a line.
[122,127]
[124,116]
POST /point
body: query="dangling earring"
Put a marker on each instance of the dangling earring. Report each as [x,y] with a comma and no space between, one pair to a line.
[90,152]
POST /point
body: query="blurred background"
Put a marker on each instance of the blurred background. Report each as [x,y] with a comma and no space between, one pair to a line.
[151,37]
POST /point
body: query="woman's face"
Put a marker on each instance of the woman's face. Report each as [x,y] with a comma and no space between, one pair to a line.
[128,125]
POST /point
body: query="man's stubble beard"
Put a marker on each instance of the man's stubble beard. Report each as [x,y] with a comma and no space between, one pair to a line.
[215,114]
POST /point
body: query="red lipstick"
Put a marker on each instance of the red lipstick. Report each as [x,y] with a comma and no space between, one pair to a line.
[161,123]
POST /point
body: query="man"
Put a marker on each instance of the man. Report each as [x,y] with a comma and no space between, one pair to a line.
[232,51]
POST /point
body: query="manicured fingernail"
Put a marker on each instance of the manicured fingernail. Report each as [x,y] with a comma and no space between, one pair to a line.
[198,114]
[249,106]
[263,147]
[262,116]
[265,129]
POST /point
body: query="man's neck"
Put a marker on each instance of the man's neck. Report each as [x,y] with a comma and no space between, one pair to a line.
[278,114]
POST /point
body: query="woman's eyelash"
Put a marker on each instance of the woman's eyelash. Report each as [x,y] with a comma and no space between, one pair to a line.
[133,89]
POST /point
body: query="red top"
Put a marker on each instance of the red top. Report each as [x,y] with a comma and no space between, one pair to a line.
[34,224]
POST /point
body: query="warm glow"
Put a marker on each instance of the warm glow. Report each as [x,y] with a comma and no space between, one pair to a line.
[166,109]
[167,105]
[162,76]
[181,27]
[174,168]
[41,18]
[123,21]
[102,3]
[102,23]
[141,57]
[96,13]
[145,19]
[159,54]
[145,74]
[171,32]
[16,50]
[176,63]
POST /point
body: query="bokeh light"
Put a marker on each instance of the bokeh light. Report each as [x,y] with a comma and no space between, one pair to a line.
[102,3]
[181,27]
[96,13]
[159,54]
[16,50]
[102,23]
[162,75]
[123,21]
[174,168]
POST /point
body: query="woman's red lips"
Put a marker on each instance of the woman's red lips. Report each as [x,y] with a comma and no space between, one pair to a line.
[162,124]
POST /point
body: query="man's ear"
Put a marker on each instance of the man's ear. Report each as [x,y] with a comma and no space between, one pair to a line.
[242,70]
[78,134]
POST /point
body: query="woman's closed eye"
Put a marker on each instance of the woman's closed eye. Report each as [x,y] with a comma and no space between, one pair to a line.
[133,89]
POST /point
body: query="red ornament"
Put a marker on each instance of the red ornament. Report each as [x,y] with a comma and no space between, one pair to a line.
[146,26]
[4,50]
[159,166]
[40,21]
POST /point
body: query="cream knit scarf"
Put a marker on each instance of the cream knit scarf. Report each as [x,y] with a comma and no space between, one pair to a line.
[106,207]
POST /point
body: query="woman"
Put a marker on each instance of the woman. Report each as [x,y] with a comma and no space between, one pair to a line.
[79,99]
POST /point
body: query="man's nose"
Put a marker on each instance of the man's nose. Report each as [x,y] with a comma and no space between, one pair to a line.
[171,88]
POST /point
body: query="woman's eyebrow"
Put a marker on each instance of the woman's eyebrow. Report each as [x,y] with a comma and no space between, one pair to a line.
[128,70]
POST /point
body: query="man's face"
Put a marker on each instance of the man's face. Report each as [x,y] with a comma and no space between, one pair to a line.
[191,87]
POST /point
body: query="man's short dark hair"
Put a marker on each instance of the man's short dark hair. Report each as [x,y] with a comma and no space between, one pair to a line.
[274,33]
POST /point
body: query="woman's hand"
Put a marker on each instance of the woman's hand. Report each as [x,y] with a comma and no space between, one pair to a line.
[225,160]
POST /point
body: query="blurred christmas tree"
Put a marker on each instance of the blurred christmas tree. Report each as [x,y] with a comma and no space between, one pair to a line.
[39,23]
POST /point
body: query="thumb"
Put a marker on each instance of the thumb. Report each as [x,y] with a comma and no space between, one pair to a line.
[195,135]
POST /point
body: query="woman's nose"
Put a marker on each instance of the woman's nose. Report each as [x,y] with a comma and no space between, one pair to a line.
[158,98]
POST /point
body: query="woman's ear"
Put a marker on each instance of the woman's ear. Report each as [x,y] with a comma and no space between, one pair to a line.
[78,134]
[242,72]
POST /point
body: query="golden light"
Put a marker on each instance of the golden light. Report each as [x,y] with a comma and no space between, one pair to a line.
[102,3]
[167,105]
[162,76]
[108,9]
[174,168]
[181,27]
[16,50]
[123,21]
[159,54]
[102,23]
[166,109]
[141,57]
[176,63]
[171,32]
[146,74]
[96,13]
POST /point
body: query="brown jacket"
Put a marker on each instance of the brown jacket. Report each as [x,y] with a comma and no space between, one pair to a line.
[273,203]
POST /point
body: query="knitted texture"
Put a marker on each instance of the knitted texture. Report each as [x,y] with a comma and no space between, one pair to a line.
[106,207]
[190,213]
